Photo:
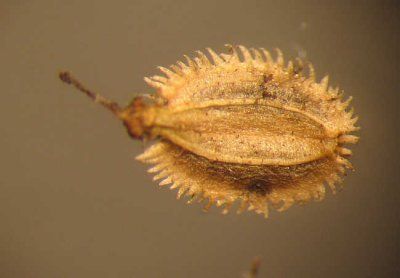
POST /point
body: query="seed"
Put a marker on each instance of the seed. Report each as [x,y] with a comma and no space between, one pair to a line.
[248,129]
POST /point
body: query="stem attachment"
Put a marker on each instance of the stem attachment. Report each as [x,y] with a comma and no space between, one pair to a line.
[67,78]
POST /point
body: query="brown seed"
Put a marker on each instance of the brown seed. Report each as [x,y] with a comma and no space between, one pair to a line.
[249,129]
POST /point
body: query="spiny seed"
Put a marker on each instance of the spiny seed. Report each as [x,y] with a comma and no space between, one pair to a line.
[248,129]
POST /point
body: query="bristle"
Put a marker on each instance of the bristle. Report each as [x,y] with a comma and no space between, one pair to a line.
[191,190]
[324,83]
[153,83]
[349,139]
[158,78]
[343,161]
[298,66]
[181,192]
[319,193]
[311,72]
[152,152]
[161,175]
[346,103]
[200,198]
[192,198]
[344,151]
[303,198]
[216,58]
[191,63]
[353,121]
[334,92]
[331,181]
[225,57]
[169,73]
[203,58]
[198,62]
[350,113]
[341,169]
[233,53]
[290,67]
[242,207]
[263,210]
[154,160]
[287,203]
[227,207]
[208,205]
[246,54]
[157,168]
[332,187]
[177,69]
[279,59]
[182,65]
[268,57]
[165,181]
[153,170]
[257,55]
[174,186]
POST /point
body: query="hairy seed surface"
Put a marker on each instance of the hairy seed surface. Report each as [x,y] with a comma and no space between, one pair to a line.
[250,129]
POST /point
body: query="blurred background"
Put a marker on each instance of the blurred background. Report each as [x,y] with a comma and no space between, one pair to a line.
[75,203]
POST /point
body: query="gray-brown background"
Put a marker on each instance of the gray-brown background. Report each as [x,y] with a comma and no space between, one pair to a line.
[75,203]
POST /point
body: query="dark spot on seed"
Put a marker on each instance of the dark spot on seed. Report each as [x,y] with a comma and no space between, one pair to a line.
[259,186]
[267,94]
[267,78]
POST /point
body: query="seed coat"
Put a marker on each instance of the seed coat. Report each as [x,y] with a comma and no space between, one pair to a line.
[248,129]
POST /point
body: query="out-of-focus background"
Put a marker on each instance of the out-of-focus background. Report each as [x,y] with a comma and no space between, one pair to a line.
[75,203]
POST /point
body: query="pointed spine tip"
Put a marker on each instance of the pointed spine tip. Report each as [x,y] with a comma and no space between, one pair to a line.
[204,61]
[153,83]
[216,58]
[279,57]
[246,53]
[165,182]
[232,54]
[257,55]
[267,55]
[324,83]
[311,72]
[169,73]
